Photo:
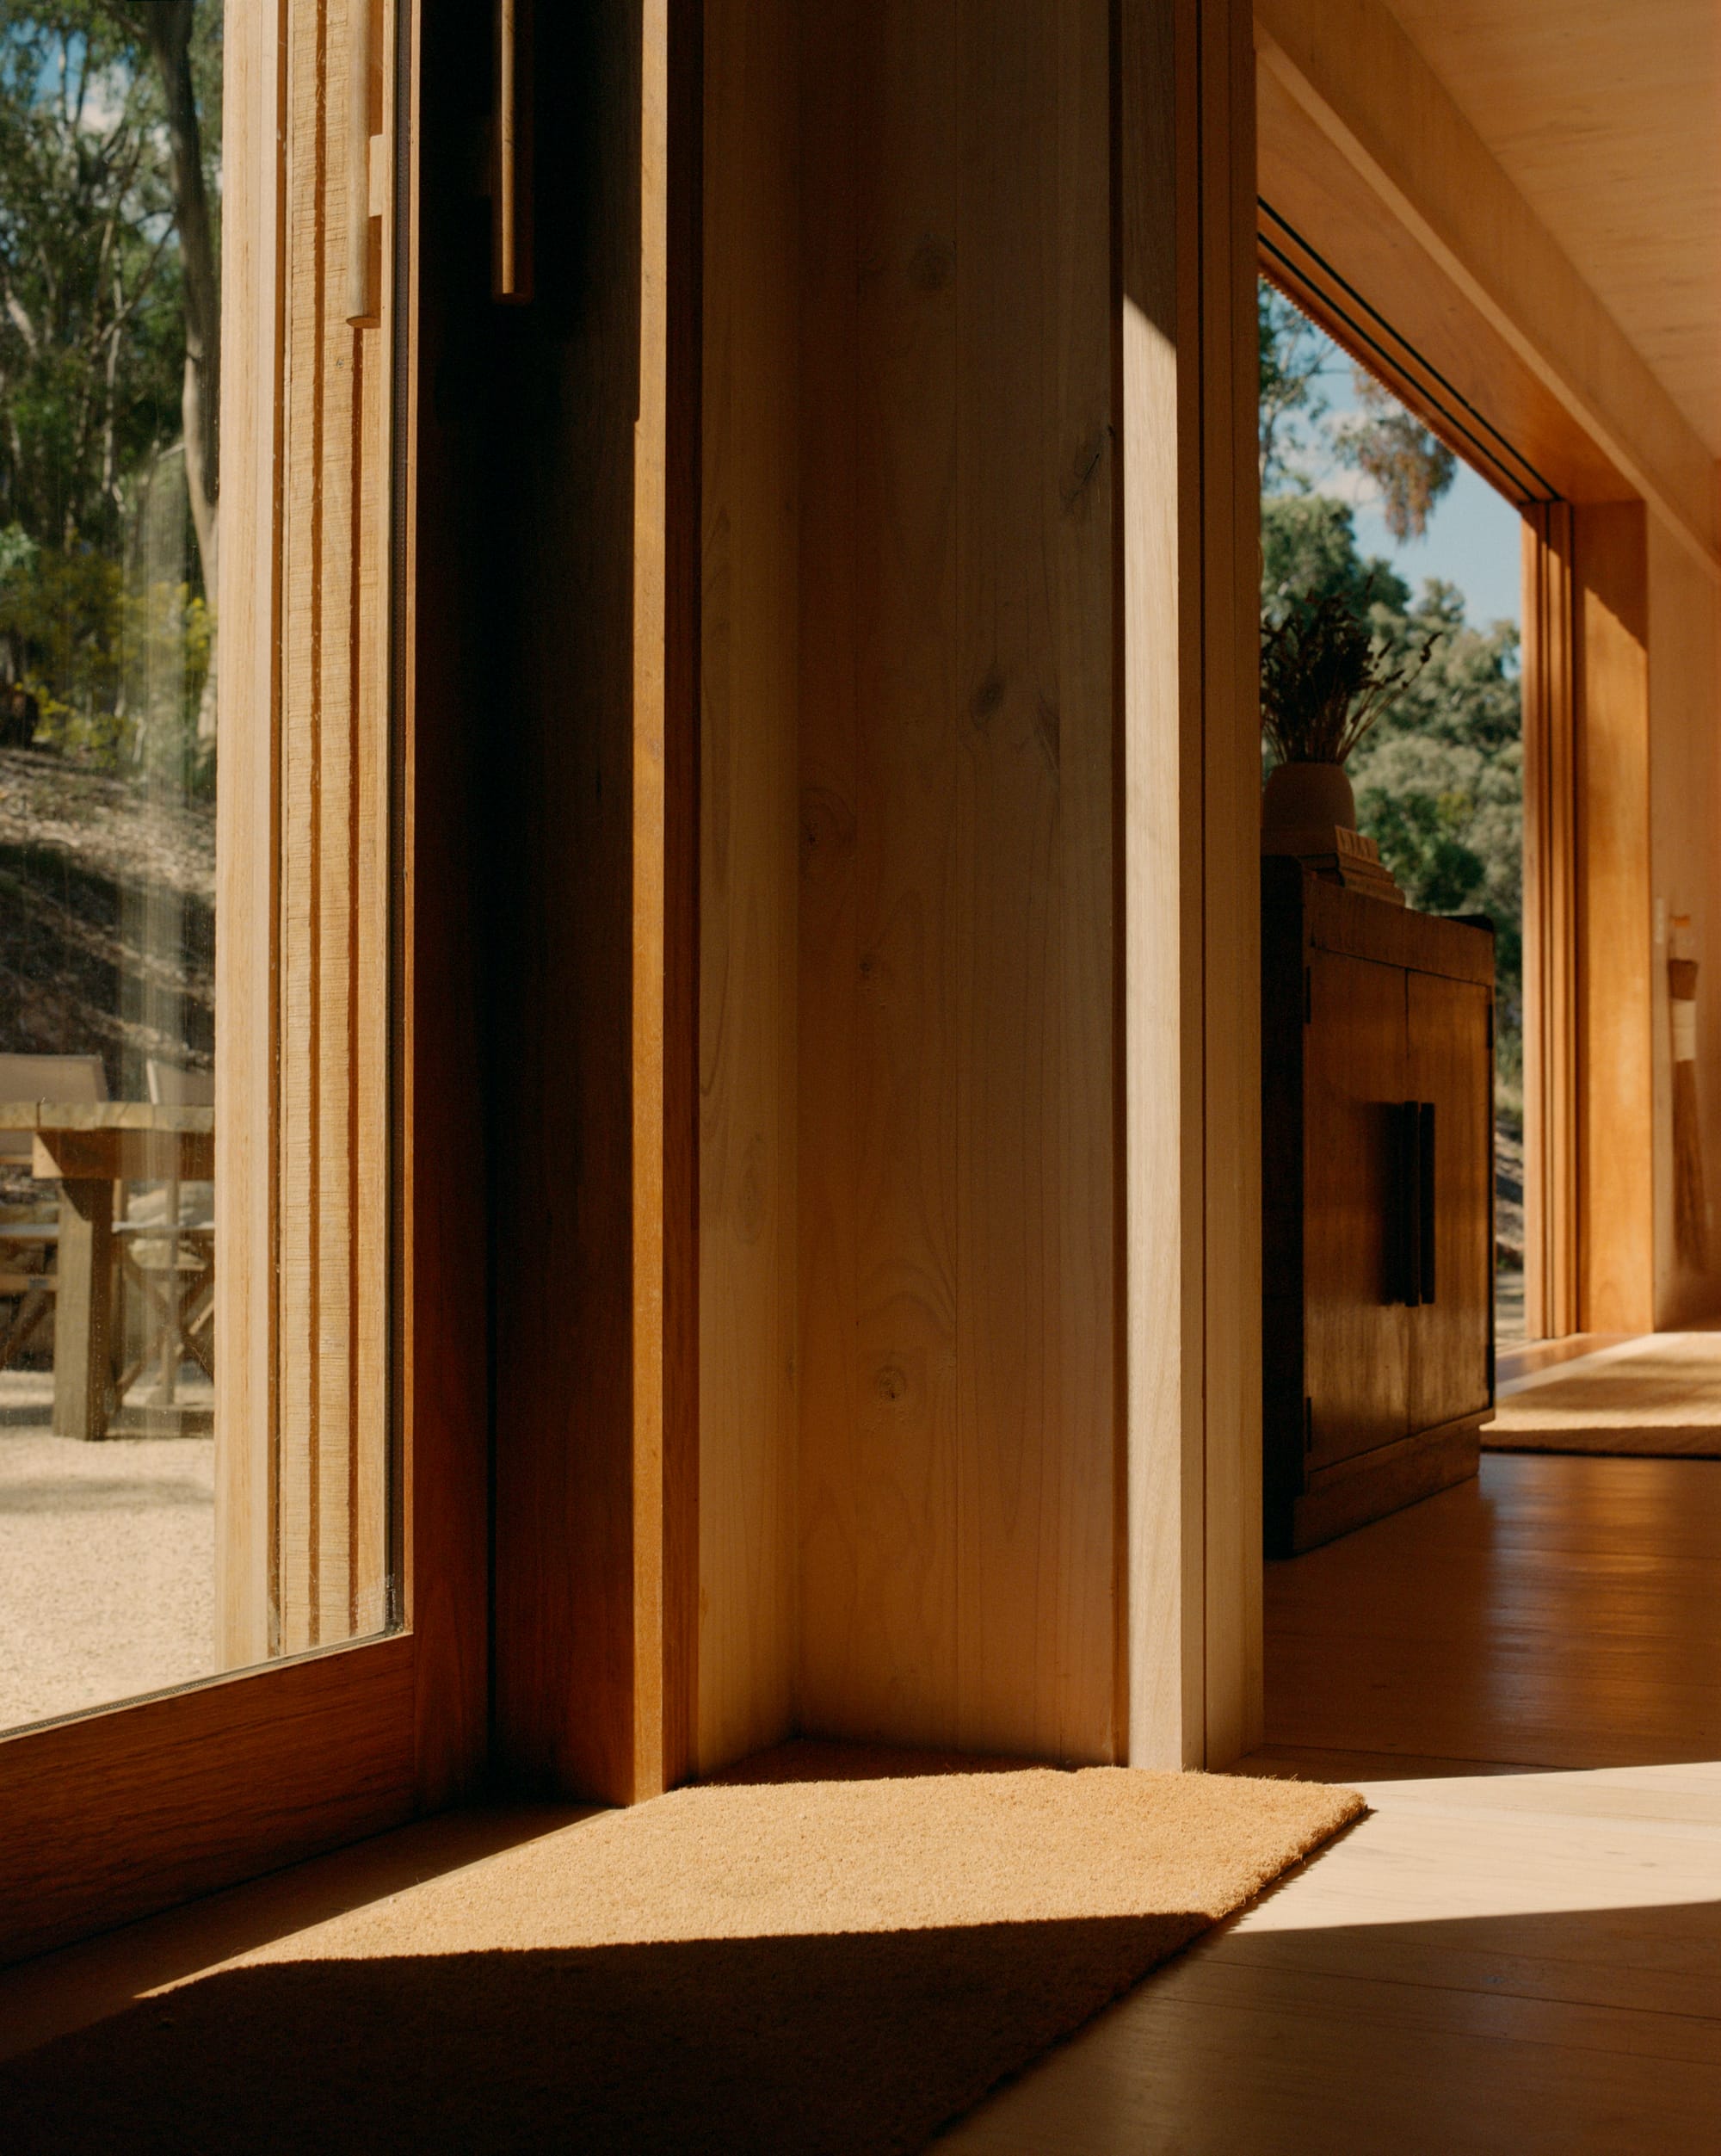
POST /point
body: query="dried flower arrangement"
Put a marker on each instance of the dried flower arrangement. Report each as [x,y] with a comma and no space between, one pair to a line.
[1324,679]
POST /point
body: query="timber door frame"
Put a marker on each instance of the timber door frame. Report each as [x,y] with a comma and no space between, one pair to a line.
[111,1815]
[1550,926]
[1363,149]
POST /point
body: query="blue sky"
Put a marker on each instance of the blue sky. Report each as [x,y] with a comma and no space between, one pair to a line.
[1473,536]
[1472,541]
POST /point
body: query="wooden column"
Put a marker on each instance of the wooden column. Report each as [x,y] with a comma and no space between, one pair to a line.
[1189,881]
[1615,1095]
[959,1429]
[580,481]
[1685,770]
[979,600]
[1550,916]
[751,855]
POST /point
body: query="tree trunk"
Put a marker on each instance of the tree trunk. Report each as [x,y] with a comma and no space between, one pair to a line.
[167,24]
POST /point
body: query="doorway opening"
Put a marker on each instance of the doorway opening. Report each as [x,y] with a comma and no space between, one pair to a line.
[1448,1628]
[1361,501]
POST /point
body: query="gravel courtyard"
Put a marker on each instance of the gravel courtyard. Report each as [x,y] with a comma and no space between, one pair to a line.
[106,1561]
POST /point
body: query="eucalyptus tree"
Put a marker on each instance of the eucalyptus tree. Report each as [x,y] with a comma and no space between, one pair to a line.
[1439,780]
[109,329]
[179,37]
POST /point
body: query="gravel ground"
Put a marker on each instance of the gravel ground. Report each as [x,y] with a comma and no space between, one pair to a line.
[107,943]
[106,1561]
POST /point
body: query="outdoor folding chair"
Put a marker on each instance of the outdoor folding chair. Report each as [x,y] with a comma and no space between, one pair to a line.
[170,1260]
[27,1246]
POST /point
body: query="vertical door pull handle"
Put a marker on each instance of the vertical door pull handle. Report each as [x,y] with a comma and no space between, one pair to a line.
[1405,1231]
[512,182]
[364,248]
[1427,1211]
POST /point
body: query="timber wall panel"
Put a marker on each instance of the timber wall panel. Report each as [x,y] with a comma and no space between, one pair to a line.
[573,566]
[1189,984]
[958,1428]
[748,874]
[966,1020]
[1616,1188]
[879,1098]
[1035,1254]
[1230,759]
[1685,816]
[1550,931]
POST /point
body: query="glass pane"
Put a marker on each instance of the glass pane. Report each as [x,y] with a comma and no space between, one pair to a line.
[1358,499]
[150,1487]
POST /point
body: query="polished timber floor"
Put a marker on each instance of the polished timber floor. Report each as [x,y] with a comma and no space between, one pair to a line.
[1520,1948]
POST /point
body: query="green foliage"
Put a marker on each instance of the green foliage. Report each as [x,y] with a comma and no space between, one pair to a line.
[118,665]
[1308,545]
[1297,436]
[1389,446]
[1439,780]
[103,613]
[91,342]
[1327,674]
[1291,399]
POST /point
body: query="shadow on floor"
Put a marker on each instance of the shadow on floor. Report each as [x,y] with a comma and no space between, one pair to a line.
[1577,2031]
[849,2042]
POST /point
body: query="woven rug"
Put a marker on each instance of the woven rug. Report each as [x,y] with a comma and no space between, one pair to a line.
[1659,1397]
[827,1953]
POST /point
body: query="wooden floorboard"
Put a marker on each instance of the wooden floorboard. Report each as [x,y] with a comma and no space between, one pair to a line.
[1519,1949]
[1523,1362]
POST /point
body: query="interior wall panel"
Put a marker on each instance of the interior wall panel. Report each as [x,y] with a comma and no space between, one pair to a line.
[1616,1181]
[748,874]
[1685,781]
[978,1064]
[958,1420]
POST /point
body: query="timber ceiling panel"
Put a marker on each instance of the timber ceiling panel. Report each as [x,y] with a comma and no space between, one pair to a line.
[1606,116]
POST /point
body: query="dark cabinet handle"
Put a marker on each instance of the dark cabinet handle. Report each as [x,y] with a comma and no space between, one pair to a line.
[512,180]
[1416,1206]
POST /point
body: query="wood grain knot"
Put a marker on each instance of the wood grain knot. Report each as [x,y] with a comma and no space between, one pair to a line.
[1047,731]
[827,832]
[751,1200]
[932,265]
[1089,459]
[892,1381]
[987,697]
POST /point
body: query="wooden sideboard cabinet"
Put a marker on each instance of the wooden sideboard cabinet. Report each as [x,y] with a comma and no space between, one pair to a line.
[1377,1151]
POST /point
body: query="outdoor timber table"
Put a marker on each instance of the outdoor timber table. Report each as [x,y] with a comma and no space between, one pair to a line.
[88,1147]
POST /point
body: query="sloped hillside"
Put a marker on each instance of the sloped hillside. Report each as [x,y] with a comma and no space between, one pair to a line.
[107,918]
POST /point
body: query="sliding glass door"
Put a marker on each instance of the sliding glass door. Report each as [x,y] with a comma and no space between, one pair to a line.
[207,1088]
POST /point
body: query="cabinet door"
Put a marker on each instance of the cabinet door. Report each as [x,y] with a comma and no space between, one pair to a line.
[1450,1068]
[1355,1339]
